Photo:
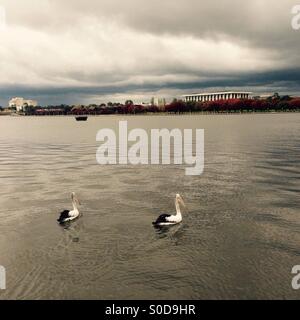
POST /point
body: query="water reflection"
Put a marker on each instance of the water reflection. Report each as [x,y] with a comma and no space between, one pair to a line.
[167,231]
[73,230]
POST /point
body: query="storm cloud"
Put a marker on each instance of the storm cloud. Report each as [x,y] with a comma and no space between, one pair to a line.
[76,51]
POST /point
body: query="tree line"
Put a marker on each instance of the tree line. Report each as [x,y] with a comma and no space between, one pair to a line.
[275,103]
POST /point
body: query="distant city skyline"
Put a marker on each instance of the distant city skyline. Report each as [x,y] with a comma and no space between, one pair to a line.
[79,52]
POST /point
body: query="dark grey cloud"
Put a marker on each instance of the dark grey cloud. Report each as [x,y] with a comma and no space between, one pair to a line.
[75,50]
[287,81]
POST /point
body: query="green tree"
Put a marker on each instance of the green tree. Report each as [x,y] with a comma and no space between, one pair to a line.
[129,103]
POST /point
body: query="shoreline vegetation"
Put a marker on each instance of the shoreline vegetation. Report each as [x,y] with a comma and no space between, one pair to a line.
[151,114]
[273,104]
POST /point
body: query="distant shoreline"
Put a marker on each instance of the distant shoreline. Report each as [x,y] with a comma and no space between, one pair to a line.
[152,114]
[273,104]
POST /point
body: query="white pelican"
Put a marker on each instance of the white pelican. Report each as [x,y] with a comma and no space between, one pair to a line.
[167,219]
[68,215]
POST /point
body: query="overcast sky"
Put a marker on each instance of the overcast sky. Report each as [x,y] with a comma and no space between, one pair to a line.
[92,51]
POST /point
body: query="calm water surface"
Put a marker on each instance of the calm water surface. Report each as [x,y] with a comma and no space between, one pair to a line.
[240,236]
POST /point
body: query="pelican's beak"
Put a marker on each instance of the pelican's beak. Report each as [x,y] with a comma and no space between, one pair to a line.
[182,202]
[75,198]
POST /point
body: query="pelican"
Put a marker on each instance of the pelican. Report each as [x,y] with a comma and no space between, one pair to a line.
[167,219]
[68,215]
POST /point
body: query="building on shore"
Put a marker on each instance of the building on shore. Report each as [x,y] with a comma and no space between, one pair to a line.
[263,96]
[158,102]
[214,96]
[20,103]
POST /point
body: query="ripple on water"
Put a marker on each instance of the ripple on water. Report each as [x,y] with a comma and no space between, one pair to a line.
[238,239]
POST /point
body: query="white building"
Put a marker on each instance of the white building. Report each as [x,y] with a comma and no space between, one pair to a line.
[20,103]
[159,102]
[214,96]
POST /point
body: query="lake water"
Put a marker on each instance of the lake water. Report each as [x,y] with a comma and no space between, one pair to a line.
[239,239]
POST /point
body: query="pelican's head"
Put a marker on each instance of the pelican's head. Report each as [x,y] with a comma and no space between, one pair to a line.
[179,199]
[74,198]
